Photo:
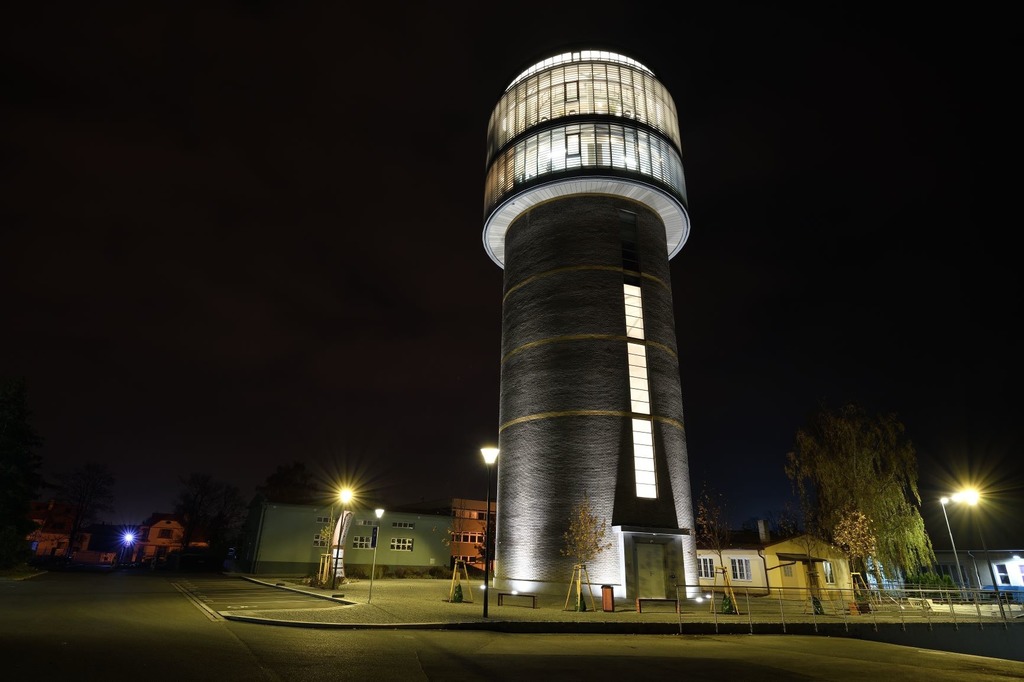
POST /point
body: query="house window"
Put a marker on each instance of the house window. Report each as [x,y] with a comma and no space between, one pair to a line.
[787,570]
[826,568]
[401,544]
[165,534]
[323,519]
[1003,573]
[706,567]
[740,569]
[468,537]
[319,541]
[403,524]
[361,542]
[367,522]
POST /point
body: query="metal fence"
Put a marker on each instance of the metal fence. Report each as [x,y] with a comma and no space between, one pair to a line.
[779,606]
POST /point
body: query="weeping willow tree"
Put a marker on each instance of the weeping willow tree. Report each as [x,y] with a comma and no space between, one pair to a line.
[856,477]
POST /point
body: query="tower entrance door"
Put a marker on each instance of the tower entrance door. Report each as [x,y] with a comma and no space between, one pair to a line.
[650,568]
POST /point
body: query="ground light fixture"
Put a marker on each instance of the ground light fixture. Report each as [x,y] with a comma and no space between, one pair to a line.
[490,456]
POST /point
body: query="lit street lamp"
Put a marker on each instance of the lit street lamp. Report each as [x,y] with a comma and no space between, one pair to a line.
[127,540]
[346,496]
[956,557]
[971,498]
[376,538]
[490,455]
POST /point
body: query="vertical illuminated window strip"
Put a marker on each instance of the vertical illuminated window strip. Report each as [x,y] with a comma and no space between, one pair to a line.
[639,394]
[634,312]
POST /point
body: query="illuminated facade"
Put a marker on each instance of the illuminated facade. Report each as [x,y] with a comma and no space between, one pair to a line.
[585,203]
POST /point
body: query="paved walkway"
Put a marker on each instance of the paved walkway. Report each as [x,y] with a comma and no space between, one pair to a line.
[426,603]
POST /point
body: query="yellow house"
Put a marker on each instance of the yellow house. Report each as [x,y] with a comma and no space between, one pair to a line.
[755,563]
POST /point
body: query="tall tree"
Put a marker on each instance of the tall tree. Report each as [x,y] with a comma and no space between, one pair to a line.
[89,491]
[847,464]
[290,484]
[213,507]
[19,471]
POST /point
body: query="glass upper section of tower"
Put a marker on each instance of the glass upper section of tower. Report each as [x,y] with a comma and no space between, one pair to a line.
[585,83]
[582,55]
[587,121]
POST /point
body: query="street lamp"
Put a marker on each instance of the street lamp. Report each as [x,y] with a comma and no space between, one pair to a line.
[127,540]
[956,557]
[490,455]
[971,498]
[346,496]
[376,538]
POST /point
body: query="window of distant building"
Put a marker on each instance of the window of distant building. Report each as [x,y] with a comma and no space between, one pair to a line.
[164,534]
[787,570]
[401,544]
[403,524]
[368,522]
[468,537]
[740,569]
[1003,573]
[323,519]
[319,541]
[705,567]
[361,542]
[826,568]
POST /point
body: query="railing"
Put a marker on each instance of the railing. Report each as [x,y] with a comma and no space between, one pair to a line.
[903,606]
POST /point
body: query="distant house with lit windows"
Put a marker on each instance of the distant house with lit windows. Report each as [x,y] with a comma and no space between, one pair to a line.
[975,568]
[755,563]
[294,540]
[52,533]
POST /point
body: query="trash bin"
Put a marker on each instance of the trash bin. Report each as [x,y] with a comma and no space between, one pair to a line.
[607,598]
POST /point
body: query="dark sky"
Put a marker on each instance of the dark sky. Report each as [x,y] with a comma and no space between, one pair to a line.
[240,235]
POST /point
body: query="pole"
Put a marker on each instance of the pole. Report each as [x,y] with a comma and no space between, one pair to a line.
[992,572]
[376,539]
[337,551]
[487,542]
[956,557]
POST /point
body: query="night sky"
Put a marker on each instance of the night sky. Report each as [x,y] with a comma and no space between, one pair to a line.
[239,235]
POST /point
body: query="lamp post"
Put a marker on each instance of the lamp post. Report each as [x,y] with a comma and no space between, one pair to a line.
[971,498]
[490,455]
[376,538]
[127,540]
[346,496]
[956,557]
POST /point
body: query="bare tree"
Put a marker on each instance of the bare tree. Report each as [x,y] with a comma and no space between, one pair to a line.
[89,491]
[712,522]
[211,506]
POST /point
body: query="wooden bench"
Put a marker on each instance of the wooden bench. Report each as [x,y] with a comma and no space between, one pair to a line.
[640,601]
[531,597]
[923,604]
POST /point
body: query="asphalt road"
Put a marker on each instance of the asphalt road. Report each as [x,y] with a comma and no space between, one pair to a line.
[155,626]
